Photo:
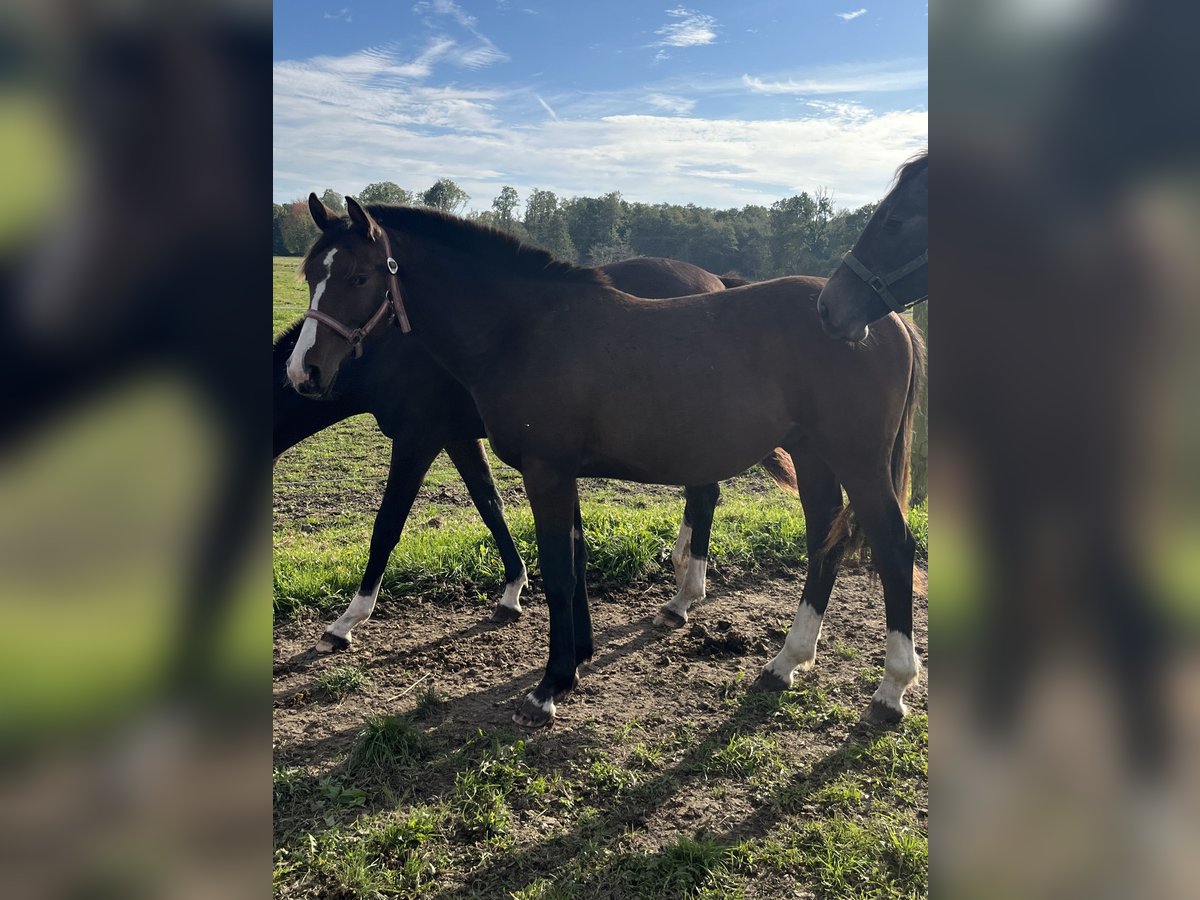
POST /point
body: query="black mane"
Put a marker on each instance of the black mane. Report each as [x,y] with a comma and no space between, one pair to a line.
[481,241]
[912,167]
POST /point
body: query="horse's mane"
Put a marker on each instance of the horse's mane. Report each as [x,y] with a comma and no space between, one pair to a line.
[481,241]
[912,167]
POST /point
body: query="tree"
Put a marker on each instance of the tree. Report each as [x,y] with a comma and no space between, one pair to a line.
[278,247]
[334,200]
[385,192]
[446,196]
[547,226]
[504,204]
[296,227]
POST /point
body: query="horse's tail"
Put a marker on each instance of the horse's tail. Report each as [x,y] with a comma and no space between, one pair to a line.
[733,279]
[779,466]
[901,462]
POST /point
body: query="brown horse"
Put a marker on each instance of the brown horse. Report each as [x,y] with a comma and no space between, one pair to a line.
[574,378]
[887,269]
[435,413]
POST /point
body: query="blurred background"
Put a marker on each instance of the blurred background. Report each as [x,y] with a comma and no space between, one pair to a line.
[134,488]
[1065,522]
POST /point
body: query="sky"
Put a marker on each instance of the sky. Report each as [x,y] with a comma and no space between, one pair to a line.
[718,104]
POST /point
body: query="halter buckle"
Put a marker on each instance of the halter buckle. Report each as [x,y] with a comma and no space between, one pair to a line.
[392,266]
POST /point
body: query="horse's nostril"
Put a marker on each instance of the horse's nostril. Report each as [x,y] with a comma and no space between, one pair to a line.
[310,375]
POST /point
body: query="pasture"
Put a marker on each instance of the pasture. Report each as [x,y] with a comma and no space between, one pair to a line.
[398,771]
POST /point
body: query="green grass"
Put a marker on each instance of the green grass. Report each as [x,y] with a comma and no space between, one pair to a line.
[340,681]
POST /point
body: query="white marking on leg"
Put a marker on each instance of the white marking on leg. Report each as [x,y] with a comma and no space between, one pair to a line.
[308,331]
[800,646]
[682,553]
[692,589]
[356,613]
[900,669]
[512,592]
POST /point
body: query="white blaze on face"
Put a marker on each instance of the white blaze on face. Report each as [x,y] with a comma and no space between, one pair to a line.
[308,332]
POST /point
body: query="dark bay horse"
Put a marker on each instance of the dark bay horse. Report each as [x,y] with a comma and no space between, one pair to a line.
[887,269]
[572,377]
[434,412]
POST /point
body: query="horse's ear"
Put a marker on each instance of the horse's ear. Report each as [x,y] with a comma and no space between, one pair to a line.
[321,214]
[362,219]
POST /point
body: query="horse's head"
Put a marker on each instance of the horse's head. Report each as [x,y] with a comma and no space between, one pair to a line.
[887,269]
[354,292]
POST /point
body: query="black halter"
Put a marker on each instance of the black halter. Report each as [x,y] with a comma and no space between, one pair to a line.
[880,283]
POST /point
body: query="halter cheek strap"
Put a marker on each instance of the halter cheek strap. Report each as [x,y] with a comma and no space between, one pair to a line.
[880,283]
[391,307]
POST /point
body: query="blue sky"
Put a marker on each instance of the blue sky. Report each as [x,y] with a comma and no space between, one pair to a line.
[717,104]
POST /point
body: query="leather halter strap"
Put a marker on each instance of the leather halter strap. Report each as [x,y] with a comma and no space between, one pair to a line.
[392,307]
[880,283]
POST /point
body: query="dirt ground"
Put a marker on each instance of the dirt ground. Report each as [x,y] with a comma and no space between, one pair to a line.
[664,680]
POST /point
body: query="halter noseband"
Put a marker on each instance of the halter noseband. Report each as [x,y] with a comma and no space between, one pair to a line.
[391,307]
[880,283]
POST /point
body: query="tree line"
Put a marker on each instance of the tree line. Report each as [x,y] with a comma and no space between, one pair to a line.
[802,234]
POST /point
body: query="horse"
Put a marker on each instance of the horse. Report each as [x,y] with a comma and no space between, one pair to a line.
[436,413]
[895,242]
[572,378]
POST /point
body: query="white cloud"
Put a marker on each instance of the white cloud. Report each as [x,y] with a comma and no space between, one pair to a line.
[546,106]
[445,8]
[669,103]
[847,79]
[693,29]
[848,16]
[343,13]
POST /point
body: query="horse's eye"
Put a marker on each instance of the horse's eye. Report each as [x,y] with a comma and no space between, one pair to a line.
[892,224]
[359,280]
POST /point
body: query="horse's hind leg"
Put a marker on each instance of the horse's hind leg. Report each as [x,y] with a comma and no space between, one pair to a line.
[581,616]
[821,497]
[468,457]
[407,472]
[894,551]
[691,554]
[553,499]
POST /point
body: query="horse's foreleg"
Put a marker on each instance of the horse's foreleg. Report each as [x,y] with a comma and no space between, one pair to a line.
[694,535]
[821,497]
[894,551]
[553,499]
[405,476]
[472,464]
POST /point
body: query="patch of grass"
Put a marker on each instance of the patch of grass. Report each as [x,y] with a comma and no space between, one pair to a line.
[386,748]
[646,756]
[429,702]
[481,808]
[339,681]
[844,794]
[687,867]
[844,651]
[609,778]
[847,859]
[744,754]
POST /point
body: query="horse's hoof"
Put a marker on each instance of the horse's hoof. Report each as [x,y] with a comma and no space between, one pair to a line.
[505,614]
[768,682]
[332,643]
[670,618]
[532,714]
[882,714]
